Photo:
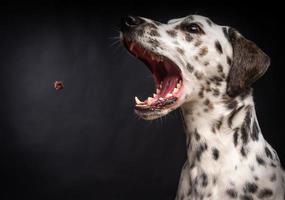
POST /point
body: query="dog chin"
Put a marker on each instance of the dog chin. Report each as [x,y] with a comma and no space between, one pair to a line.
[152,115]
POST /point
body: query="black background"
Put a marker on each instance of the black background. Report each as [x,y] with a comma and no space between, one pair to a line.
[85,142]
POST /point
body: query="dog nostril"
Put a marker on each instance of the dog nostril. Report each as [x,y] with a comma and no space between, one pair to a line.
[133,21]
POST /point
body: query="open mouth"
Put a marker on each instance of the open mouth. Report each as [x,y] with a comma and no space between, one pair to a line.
[167,77]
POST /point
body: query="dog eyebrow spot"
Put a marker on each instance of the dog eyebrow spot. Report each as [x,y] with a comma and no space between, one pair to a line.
[209,22]
[171,33]
[218,47]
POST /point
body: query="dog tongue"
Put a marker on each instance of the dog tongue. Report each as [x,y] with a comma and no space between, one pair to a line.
[168,85]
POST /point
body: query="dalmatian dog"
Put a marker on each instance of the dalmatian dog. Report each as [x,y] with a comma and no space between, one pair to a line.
[207,70]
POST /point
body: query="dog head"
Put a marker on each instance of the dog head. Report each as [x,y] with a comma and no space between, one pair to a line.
[191,58]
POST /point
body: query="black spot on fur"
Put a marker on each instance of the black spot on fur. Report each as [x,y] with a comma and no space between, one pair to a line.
[204,178]
[198,75]
[232,193]
[215,153]
[171,33]
[250,187]
[219,123]
[201,148]
[264,193]
[246,197]
[207,102]
[260,161]
[216,80]
[220,68]
[196,135]
[206,63]
[273,178]
[242,151]
[254,134]
[229,60]
[218,47]
[244,135]
[203,51]
[201,92]
[236,137]
[268,153]
[247,119]
[233,114]
[189,67]
[232,104]
[226,34]
[209,22]
[188,37]
[216,92]
[198,43]
[154,42]
[181,51]
[273,165]
[150,25]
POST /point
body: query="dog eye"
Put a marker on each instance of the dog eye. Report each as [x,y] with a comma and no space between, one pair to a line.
[193,28]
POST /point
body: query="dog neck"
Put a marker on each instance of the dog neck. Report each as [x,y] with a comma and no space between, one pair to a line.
[219,128]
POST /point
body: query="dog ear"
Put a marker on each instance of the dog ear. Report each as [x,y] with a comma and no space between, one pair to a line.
[249,63]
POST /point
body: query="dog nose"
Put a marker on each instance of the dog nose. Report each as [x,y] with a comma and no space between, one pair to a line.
[130,22]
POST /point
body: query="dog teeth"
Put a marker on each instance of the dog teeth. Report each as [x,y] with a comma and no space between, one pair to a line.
[161,99]
[157,91]
[149,100]
[160,86]
[169,95]
[132,46]
[175,90]
[178,85]
[138,101]
[154,95]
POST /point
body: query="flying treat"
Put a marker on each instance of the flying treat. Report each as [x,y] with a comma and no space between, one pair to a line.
[58,85]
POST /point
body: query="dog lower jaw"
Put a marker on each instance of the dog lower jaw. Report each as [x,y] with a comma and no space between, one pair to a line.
[152,115]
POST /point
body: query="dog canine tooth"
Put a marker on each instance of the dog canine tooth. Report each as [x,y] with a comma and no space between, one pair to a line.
[138,101]
[175,90]
[178,85]
[157,91]
[132,46]
[149,100]
[154,95]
